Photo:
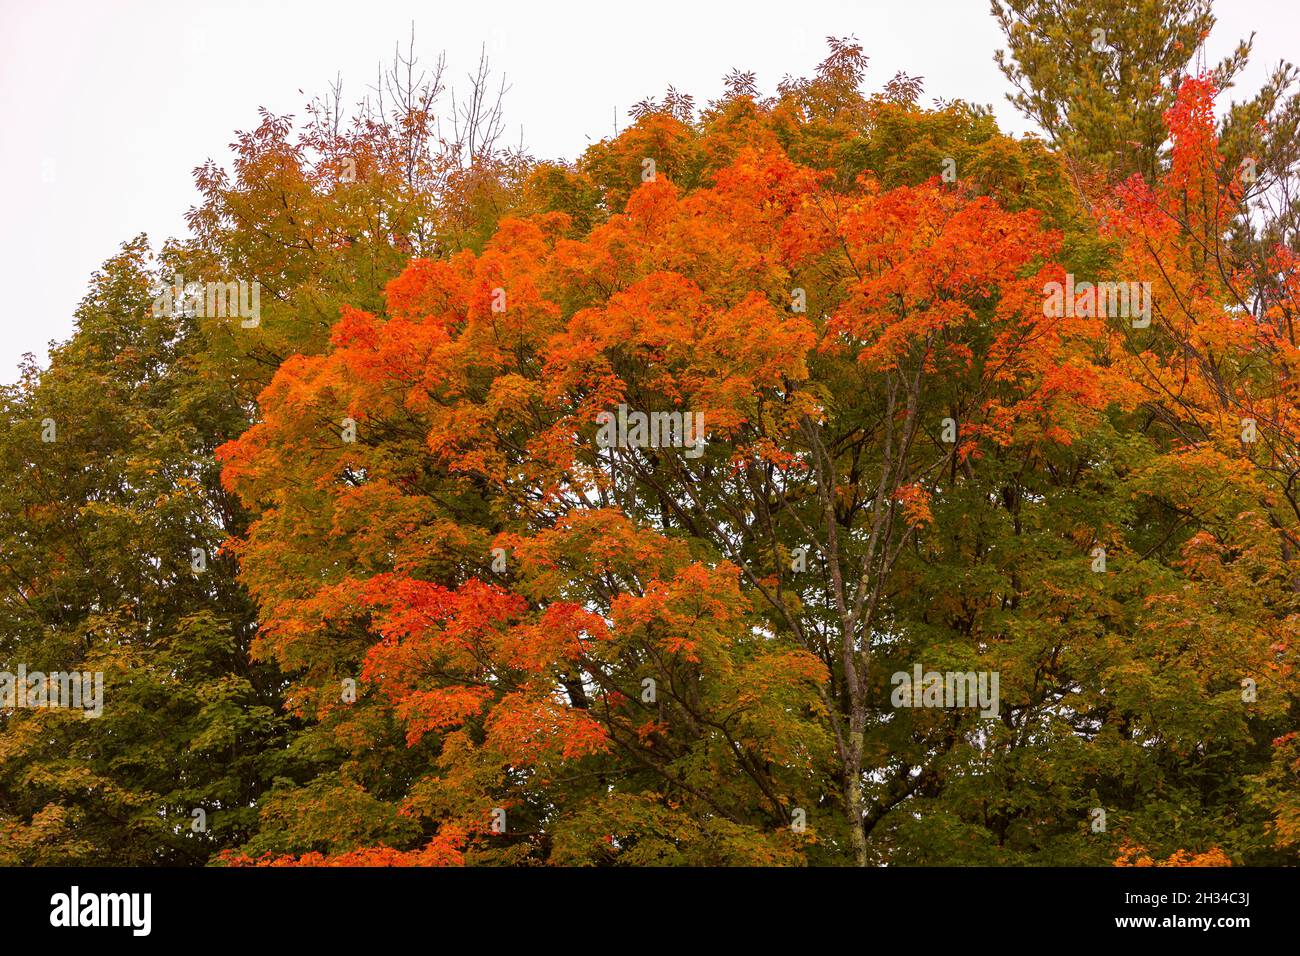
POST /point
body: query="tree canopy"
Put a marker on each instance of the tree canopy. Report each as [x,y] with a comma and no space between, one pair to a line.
[593,513]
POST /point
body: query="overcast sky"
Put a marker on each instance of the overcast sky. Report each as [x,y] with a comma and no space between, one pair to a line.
[109,106]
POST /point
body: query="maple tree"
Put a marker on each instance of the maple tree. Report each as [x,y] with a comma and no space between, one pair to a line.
[476,393]
[98,527]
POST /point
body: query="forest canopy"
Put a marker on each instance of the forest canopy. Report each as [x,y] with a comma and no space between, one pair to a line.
[806,478]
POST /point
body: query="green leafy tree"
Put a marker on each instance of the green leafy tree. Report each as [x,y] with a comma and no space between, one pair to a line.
[1098,75]
[110,530]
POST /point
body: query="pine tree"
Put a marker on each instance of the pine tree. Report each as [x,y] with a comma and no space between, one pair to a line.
[1098,75]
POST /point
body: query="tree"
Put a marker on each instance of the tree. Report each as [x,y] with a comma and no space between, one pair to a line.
[1097,77]
[112,531]
[112,522]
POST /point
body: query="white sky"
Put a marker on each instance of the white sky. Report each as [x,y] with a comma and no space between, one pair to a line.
[109,106]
